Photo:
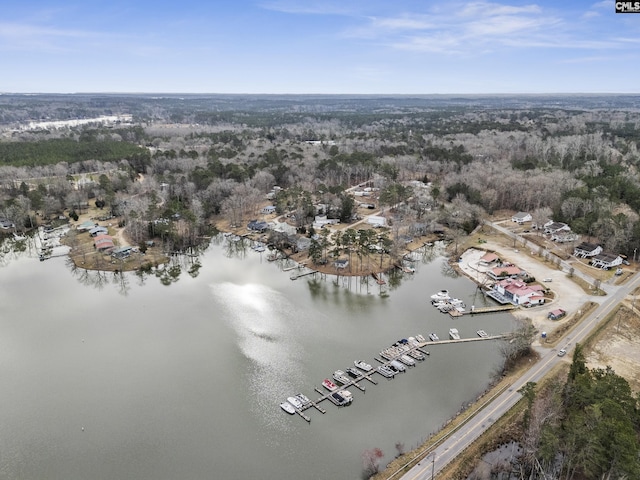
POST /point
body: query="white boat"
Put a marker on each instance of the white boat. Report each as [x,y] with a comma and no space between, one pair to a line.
[339,376]
[482,334]
[295,402]
[407,360]
[362,365]
[303,398]
[385,371]
[433,337]
[453,334]
[397,366]
[287,407]
[420,338]
[354,372]
[441,295]
[340,399]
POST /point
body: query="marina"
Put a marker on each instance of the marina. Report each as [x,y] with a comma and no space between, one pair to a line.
[396,359]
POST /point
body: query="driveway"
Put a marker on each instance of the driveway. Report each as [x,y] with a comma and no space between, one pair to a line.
[568,295]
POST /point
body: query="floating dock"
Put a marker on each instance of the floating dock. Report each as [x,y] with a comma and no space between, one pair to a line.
[409,347]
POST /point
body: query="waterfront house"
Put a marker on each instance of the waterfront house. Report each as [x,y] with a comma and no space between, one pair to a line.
[587,250]
[519,293]
[257,226]
[341,264]
[103,243]
[521,217]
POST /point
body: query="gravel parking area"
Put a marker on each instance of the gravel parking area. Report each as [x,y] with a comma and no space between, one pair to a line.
[568,295]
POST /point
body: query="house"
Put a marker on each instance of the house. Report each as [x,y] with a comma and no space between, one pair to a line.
[585,250]
[488,259]
[504,271]
[103,243]
[551,227]
[606,261]
[556,314]
[564,237]
[341,264]
[256,226]
[283,227]
[521,217]
[84,226]
[122,252]
[519,293]
[376,221]
[95,231]
[322,221]
[268,210]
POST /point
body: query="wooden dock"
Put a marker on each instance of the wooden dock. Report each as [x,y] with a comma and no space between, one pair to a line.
[501,308]
[324,395]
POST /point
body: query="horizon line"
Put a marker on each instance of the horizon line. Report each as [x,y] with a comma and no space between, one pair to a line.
[319,94]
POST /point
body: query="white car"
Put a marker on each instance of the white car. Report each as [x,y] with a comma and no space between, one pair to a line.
[562,353]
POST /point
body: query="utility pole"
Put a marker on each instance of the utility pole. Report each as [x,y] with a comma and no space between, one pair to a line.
[433,465]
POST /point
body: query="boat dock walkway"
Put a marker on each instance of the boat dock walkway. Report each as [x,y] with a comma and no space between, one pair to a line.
[419,347]
[501,308]
[303,272]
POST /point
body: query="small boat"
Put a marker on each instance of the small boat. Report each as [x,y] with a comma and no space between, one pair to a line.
[347,395]
[340,399]
[482,334]
[407,360]
[287,407]
[453,334]
[397,366]
[295,402]
[303,398]
[339,376]
[442,295]
[420,339]
[433,337]
[329,385]
[354,372]
[362,365]
[385,371]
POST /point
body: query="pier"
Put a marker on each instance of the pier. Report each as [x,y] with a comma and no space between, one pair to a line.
[402,349]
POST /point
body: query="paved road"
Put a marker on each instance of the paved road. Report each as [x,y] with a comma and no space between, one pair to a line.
[454,445]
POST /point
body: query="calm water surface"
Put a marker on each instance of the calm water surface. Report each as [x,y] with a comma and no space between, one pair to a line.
[108,377]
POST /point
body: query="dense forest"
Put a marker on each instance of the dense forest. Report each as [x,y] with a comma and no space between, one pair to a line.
[587,427]
[574,159]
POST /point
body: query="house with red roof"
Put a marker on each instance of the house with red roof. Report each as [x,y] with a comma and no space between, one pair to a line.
[505,271]
[519,293]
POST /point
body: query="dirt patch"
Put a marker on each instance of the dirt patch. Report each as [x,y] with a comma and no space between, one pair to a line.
[616,346]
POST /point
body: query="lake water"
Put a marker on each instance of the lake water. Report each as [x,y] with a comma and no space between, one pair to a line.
[165,377]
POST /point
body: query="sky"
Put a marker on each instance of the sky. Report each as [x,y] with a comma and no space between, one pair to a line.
[318,46]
